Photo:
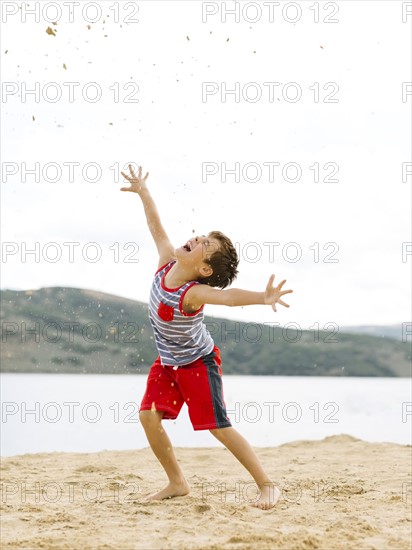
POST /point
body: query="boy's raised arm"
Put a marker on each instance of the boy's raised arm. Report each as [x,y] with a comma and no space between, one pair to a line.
[138,185]
[203,294]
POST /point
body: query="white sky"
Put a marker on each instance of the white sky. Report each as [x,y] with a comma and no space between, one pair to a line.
[171,132]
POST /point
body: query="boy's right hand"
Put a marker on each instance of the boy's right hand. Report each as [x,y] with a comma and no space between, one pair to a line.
[137,183]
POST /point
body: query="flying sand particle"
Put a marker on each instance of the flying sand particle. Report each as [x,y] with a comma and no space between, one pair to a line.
[50,31]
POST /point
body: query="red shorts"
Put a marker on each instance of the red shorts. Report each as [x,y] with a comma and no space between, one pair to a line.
[198,384]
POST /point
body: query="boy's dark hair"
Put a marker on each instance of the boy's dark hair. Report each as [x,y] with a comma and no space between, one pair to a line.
[223,261]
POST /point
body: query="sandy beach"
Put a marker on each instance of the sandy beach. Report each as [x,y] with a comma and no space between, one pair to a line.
[340,492]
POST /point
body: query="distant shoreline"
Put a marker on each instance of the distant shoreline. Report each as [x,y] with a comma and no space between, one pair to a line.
[225,374]
[70,330]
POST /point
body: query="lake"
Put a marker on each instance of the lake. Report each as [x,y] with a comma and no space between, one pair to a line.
[90,413]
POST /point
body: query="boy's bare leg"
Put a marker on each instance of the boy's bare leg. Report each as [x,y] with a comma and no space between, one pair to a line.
[238,446]
[162,448]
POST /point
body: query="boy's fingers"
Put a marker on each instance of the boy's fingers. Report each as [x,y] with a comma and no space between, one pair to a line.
[125,189]
[270,282]
[131,170]
[145,178]
[126,176]
[283,303]
[286,292]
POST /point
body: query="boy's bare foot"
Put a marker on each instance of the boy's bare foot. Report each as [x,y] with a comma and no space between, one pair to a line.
[171,490]
[269,495]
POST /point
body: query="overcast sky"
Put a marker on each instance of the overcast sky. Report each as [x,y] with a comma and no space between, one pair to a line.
[326,101]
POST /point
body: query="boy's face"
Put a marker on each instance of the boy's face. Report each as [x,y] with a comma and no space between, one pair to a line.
[196,251]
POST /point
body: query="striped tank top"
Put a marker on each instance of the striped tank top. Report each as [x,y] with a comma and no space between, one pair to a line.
[180,337]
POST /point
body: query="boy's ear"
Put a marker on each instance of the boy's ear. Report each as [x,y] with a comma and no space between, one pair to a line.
[205,270]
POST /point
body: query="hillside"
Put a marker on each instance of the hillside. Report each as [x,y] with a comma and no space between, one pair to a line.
[82,331]
[396,332]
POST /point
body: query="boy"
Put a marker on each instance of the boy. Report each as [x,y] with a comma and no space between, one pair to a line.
[188,367]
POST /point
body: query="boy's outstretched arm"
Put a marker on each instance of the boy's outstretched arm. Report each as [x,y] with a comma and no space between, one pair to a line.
[138,185]
[201,294]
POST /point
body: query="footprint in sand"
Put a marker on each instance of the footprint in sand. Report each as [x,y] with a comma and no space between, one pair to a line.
[202,508]
[90,469]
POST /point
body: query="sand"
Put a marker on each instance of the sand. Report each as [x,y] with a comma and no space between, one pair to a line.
[340,492]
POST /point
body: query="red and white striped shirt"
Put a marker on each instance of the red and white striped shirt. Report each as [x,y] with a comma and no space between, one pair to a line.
[180,337]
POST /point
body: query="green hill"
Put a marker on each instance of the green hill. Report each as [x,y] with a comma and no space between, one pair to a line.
[82,331]
[397,332]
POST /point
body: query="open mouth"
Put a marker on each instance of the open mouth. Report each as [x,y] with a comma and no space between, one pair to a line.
[188,246]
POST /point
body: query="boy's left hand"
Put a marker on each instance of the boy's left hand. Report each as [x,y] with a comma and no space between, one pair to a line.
[273,294]
[137,183]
